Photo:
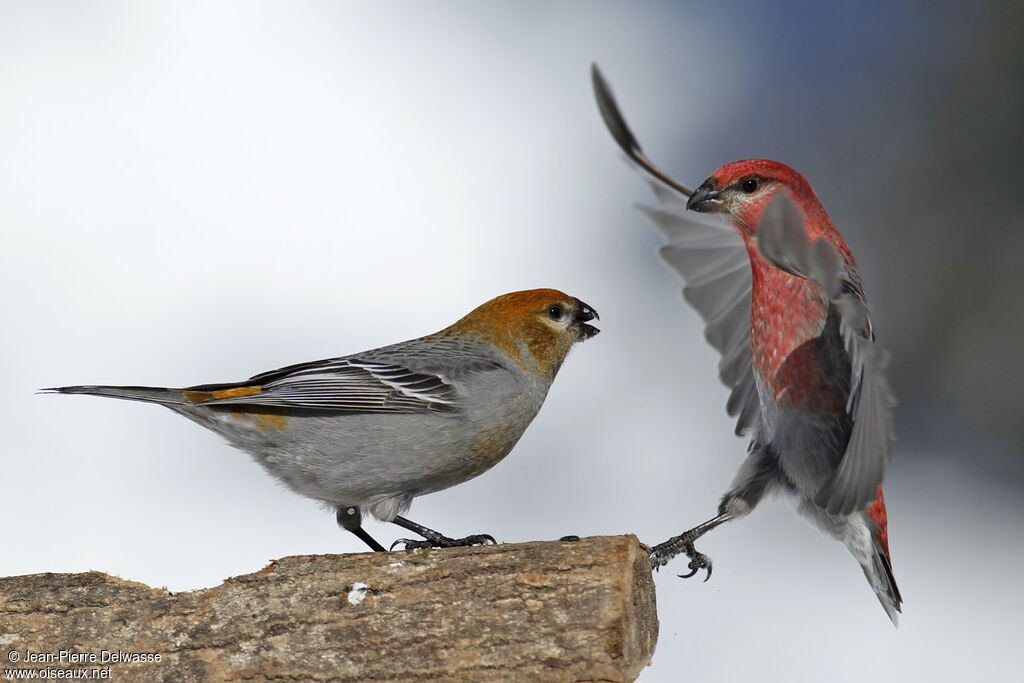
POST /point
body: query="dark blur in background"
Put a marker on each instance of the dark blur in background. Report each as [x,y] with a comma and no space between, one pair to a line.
[907,119]
[199,191]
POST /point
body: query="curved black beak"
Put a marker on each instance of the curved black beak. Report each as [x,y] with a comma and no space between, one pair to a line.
[706,199]
[585,313]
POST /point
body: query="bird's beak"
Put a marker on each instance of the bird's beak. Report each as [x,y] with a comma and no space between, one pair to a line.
[584,313]
[706,199]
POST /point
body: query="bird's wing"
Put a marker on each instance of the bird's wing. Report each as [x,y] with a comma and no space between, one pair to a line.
[343,384]
[783,241]
[713,262]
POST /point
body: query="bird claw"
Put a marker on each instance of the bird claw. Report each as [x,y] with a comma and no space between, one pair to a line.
[663,552]
[441,541]
[698,561]
[408,543]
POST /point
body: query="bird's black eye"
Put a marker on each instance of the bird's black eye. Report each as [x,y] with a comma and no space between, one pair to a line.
[555,312]
[750,185]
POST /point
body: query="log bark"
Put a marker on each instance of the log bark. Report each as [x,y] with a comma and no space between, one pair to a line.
[544,611]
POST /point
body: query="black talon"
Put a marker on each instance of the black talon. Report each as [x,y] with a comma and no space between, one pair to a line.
[482,539]
[445,542]
[350,517]
[663,552]
[435,539]
[408,542]
[698,561]
[683,543]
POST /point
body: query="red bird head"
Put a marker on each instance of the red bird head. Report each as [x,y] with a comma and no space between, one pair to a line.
[743,189]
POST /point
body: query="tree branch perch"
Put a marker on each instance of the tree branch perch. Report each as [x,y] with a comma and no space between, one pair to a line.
[544,611]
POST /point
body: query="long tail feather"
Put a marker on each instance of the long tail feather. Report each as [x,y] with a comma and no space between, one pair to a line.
[148,394]
[879,575]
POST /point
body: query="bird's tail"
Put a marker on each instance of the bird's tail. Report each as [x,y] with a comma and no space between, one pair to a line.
[878,570]
[865,534]
[167,397]
[878,565]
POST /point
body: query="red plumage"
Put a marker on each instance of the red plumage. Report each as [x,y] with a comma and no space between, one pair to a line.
[785,306]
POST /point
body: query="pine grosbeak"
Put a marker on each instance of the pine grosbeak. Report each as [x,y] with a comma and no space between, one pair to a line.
[376,429]
[785,307]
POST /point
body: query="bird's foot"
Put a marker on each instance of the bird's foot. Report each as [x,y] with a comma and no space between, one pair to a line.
[663,552]
[436,540]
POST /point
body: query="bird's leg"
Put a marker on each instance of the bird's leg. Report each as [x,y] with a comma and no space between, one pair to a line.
[683,543]
[350,517]
[752,480]
[435,539]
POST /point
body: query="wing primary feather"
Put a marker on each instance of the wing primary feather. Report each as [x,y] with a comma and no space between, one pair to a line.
[711,259]
[621,133]
[714,264]
[342,384]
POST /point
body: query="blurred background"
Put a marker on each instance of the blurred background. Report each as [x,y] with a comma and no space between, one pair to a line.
[198,191]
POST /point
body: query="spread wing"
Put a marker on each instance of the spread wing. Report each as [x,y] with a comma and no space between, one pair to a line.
[711,259]
[783,241]
[342,384]
[713,262]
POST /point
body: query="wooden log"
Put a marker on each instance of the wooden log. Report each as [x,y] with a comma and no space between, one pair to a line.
[544,611]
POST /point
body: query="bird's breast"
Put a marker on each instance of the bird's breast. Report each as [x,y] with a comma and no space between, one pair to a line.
[787,317]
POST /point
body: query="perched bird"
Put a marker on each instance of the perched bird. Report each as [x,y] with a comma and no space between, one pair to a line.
[784,305]
[376,429]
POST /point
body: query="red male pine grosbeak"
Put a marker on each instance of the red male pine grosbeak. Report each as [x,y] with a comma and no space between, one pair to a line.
[784,306]
[378,428]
